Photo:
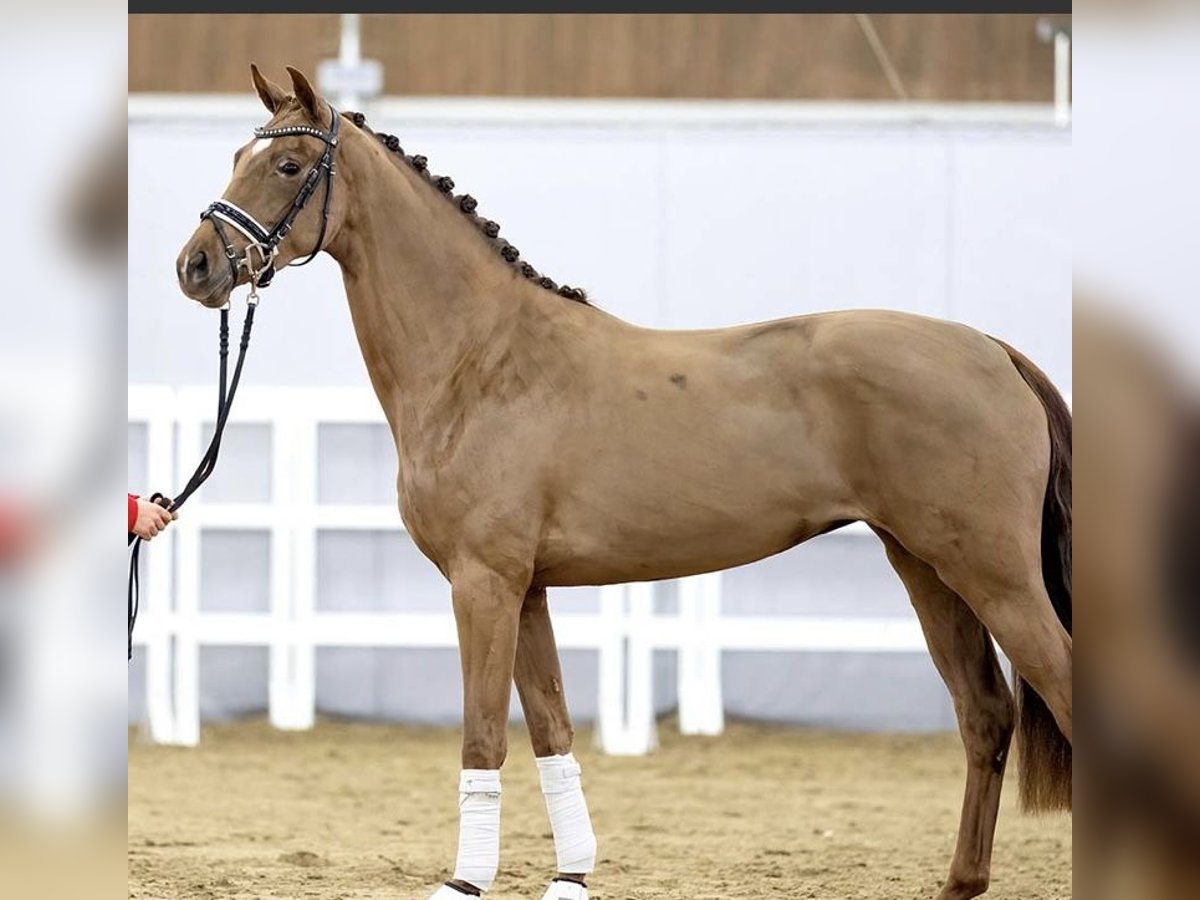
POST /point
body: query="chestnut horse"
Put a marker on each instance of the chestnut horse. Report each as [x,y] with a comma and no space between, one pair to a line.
[544,442]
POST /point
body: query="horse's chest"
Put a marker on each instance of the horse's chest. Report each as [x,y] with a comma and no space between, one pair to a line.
[445,505]
[424,508]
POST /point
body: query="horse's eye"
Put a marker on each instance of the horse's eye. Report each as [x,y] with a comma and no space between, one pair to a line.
[287,167]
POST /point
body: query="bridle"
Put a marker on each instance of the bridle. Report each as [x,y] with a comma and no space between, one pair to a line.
[265,244]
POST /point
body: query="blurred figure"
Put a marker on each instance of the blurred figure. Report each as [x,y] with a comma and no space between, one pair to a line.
[18,532]
[1137,467]
[62,653]
[97,211]
[1137,456]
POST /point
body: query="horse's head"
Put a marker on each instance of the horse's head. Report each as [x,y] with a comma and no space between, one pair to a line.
[280,204]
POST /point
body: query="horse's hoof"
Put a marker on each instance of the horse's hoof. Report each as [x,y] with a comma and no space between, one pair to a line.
[446,892]
[565,890]
[964,888]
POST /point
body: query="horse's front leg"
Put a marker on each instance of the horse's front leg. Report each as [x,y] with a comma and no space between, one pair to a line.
[539,683]
[487,610]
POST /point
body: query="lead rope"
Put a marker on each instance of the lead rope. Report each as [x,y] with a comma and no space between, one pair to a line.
[265,244]
[209,461]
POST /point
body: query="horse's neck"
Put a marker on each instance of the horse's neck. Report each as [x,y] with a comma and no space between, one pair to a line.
[424,290]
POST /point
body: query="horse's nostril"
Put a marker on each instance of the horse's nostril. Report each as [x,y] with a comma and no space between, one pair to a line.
[194,267]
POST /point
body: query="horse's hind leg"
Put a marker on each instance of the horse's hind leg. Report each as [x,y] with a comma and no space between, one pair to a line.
[962,651]
[538,677]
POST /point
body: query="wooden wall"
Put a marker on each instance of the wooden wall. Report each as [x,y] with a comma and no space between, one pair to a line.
[939,57]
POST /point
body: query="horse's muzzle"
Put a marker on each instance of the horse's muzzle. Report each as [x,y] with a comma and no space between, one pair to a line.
[203,272]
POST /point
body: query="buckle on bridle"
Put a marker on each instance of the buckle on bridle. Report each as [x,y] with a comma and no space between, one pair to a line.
[260,276]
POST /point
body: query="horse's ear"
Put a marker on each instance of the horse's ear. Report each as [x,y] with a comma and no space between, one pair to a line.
[271,94]
[305,94]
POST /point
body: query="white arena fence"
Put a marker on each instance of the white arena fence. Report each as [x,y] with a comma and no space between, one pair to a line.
[625,632]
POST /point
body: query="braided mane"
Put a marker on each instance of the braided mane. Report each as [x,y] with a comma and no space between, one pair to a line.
[466,204]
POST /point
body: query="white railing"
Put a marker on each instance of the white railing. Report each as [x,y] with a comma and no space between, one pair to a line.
[625,632]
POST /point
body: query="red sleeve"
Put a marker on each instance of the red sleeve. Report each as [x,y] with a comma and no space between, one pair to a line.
[132,511]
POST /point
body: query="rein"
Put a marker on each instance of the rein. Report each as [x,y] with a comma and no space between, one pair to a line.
[266,244]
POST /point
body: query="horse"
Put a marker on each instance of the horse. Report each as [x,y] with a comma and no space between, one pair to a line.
[543,442]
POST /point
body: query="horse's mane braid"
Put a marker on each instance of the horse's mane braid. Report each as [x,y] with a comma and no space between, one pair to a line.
[467,205]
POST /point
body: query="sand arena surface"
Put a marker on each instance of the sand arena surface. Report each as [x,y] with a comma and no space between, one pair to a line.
[367,812]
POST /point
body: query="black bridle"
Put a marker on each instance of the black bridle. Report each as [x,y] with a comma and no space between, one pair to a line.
[266,244]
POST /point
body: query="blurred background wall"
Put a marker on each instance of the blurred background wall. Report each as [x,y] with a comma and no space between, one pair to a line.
[683,173]
[770,57]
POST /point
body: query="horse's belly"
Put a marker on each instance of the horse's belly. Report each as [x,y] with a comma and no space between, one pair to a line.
[638,542]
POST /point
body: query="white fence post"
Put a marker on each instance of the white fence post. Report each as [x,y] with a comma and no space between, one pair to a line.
[186,691]
[610,715]
[301,446]
[155,407]
[701,706]
[281,698]
[625,724]
[643,733]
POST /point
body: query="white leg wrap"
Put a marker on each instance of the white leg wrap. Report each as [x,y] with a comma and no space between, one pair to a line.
[478,827]
[574,841]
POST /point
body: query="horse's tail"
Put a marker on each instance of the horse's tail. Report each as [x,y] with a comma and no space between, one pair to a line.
[1045,751]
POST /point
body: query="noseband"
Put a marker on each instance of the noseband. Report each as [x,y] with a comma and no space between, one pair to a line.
[265,243]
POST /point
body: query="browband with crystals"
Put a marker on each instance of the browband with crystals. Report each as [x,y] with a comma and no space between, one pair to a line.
[329,138]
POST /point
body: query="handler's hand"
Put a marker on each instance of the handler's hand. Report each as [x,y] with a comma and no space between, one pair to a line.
[151,519]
